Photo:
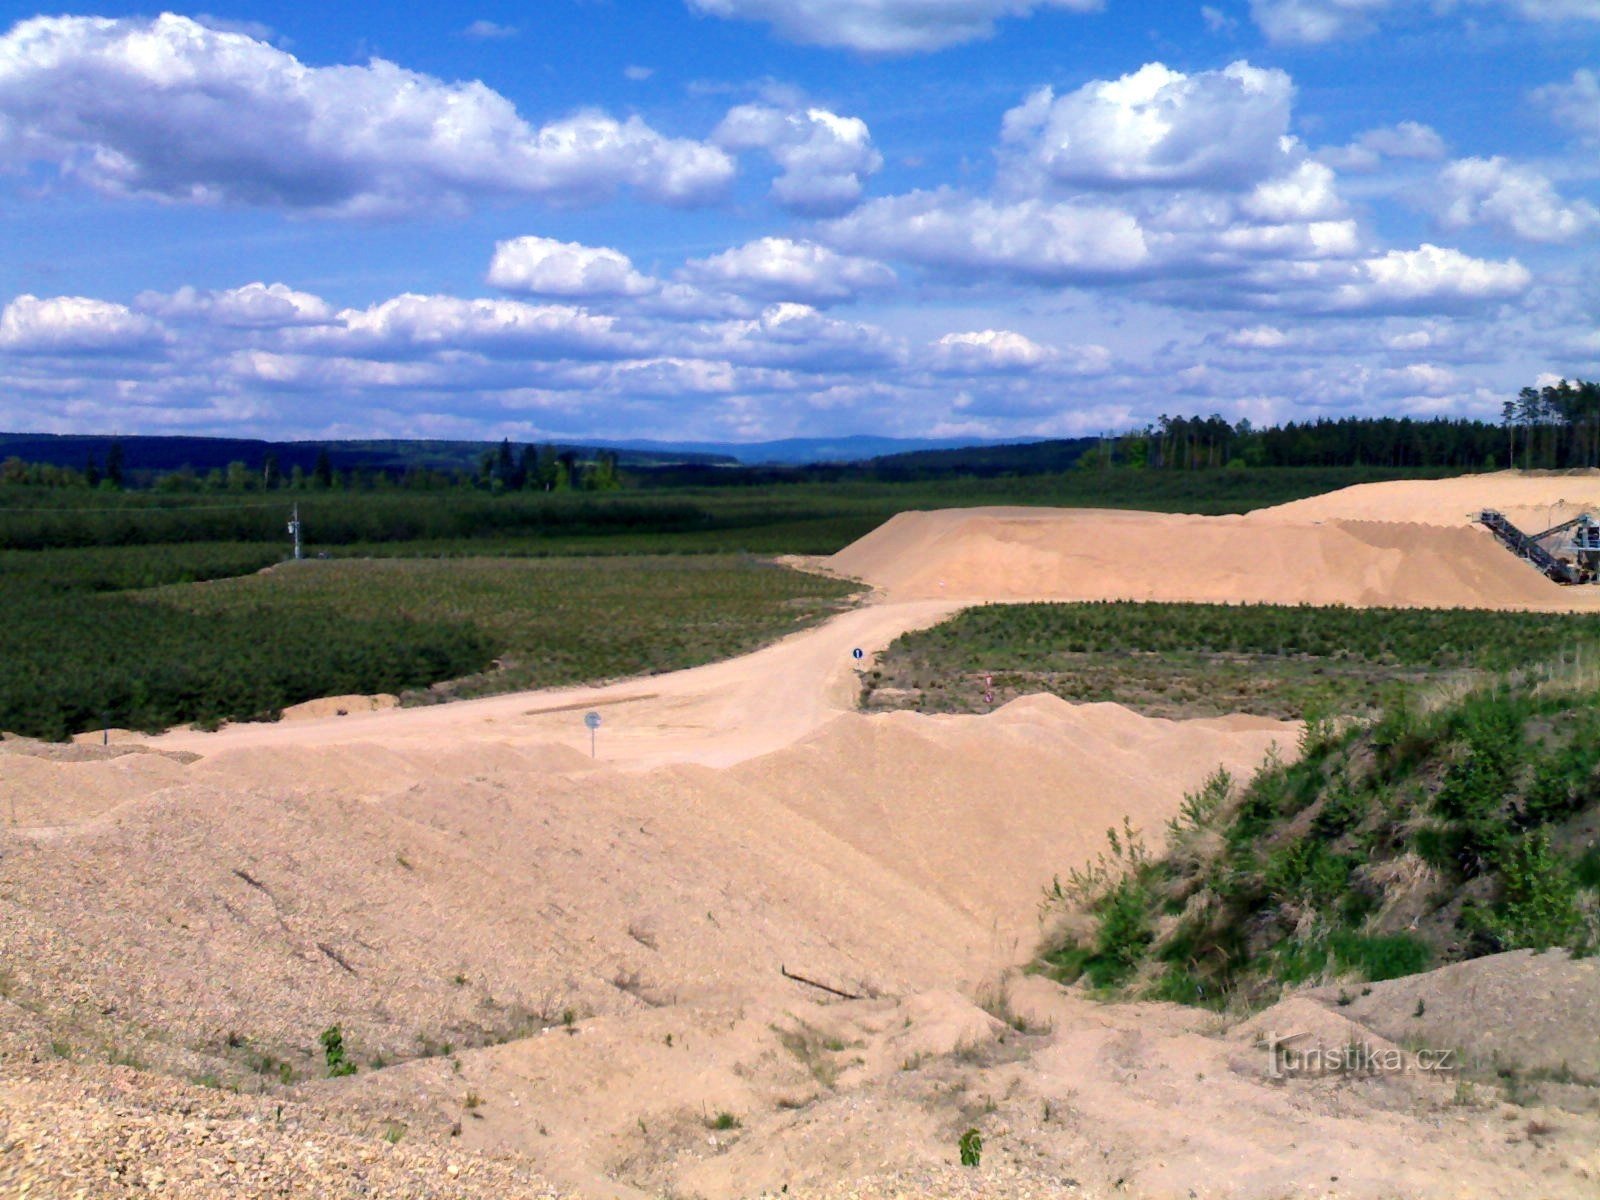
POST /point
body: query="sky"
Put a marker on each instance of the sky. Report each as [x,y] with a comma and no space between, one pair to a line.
[748,219]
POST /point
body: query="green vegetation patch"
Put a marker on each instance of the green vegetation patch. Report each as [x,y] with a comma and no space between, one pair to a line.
[147,637]
[809,513]
[1413,840]
[1180,660]
[78,652]
[549,621]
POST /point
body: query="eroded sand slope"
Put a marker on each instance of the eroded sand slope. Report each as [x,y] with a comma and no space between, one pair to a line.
[468,873]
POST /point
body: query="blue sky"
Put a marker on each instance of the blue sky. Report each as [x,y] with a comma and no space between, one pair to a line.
[745,219]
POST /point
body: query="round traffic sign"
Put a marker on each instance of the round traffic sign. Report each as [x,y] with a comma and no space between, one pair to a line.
[858,654]
[592,720]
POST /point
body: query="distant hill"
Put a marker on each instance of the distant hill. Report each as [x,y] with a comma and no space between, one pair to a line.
[1006,458]
[851,448]
[171,453]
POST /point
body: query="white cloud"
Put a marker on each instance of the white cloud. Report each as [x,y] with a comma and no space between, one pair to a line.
[1307,193]
[989,351]
[1029,239]
[1157,126]
[825,159]
[1258,337]
[75,325]
[411,324]
[884,26]
[1312,21]
[1408,139]
[253,306]
[544,267]
[1216,20]
[1516,200]
[489,31]
[798,336]
[170,109]
[1419,379]
[784,269]
[1576,105]
[1309,22]
[1429,277]
[638,74]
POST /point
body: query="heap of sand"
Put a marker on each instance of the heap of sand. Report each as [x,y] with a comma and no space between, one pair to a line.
[1269,557]
[467,874]
[1533,500]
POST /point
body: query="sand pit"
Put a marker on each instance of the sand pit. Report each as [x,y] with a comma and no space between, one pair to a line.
[1293,555]
[468,874]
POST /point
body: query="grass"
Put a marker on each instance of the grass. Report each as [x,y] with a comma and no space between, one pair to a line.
[1181,660]
[812,1049]
[1426,835]
[551,621]
[813,517]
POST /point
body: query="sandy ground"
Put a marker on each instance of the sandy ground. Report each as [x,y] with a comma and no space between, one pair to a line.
[580,962]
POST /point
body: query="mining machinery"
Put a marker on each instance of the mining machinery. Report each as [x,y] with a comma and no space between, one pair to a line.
[1568,552]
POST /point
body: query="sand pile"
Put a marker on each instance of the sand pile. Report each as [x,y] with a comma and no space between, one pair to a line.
[467,874]
[1533,500]
[1084,554]
[462,896]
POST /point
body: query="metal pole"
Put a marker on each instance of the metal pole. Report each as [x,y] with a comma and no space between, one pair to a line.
[294,528]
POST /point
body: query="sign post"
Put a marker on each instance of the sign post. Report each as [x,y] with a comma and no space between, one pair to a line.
[592,720]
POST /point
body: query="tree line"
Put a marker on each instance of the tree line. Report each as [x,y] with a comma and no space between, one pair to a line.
[1553,427]
[504,469]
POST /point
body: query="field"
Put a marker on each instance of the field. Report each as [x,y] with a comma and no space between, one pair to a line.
[132,636]
[799,518]
[1188,660]
[82,651]
[550,621]
[752,940]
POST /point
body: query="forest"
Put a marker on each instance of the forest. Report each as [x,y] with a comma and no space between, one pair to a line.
[1556,426]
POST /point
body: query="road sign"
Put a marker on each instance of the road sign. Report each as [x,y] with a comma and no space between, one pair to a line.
[858,654]
[592,720]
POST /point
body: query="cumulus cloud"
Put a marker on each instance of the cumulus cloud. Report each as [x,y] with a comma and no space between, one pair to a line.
[784,269]
[986,351]
[825,159]
[1309,22]
[413,324]
[171,109]
[1258,337]
[1408,139]
[1515,200]
[540,266]
[1030,239]
[798,336]
[1157,126]
[884,26]
[253,306]
[1306,193]
[1428,278]
[75,325]
[1575,104]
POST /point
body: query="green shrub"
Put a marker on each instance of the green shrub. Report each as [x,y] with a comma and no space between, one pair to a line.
[1587,869]
[970,1147]
[339,1064]
[1380,957]
[1538,903]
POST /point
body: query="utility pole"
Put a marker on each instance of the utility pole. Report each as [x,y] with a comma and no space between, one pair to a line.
[294,529]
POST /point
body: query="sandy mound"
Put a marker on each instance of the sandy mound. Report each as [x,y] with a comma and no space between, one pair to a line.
[1077,554]
[339,706]
[1533,1013]
[466,894]
[1534,500]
